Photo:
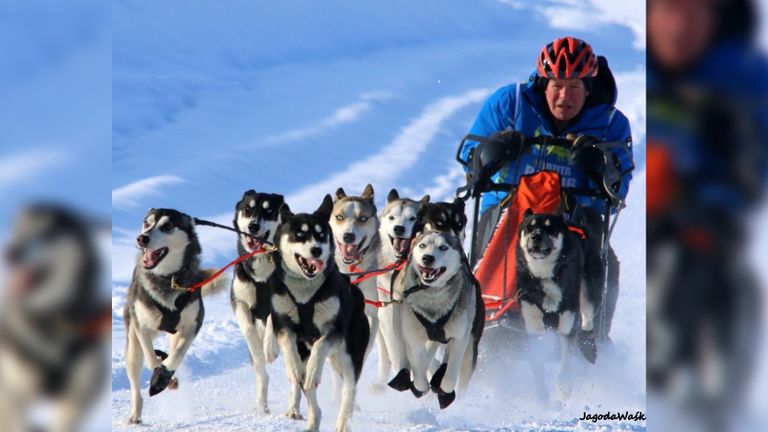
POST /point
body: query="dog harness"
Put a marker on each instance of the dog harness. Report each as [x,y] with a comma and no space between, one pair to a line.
[435,329]
[171,318]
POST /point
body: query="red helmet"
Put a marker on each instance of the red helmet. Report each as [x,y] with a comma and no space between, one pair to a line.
[567,57]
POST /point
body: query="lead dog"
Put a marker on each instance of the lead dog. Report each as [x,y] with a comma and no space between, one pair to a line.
[442,306]
[316,312]
[170,252]
[257,214]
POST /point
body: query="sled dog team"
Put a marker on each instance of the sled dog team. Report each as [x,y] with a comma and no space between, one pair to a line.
[308,290]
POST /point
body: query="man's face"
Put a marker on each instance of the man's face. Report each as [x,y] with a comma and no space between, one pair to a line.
[565,97]
[679,31]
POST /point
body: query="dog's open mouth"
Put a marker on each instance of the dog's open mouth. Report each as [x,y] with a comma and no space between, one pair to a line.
[350,253]
[24,281]
[253,244]
[400,245]
[152,257]
[309,266]
[429,274]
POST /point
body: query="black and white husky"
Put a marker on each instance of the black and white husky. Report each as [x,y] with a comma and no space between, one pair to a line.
[396,229]
[355,227]
[559,275]
[442,306]
[447,217]
[316,313]
[170,252]
[257,214]
[54,321]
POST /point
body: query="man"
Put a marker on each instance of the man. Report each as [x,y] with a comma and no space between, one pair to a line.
[572,93]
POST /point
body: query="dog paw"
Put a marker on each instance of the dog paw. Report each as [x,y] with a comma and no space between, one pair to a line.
[587,346]
[401,381]
[294,414]
[262,409]
[161,377]
[416,392]
[445,399]
[437,378]
[134,420]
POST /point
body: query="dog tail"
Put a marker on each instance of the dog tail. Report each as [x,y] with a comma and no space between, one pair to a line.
[215,286]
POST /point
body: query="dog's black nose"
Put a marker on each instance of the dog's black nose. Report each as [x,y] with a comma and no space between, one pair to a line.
[142,240]
[316,251]
[348,238]
[428,259]
[253,227]
[399,230]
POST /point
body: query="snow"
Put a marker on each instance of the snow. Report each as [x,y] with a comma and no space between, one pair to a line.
[302,98]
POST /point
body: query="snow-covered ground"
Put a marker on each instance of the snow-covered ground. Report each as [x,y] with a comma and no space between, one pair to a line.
[303,97]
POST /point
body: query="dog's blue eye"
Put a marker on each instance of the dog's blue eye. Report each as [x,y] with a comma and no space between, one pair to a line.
[443,248]
[339,217]
[363,218]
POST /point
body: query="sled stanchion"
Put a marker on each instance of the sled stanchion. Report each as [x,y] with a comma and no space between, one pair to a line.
[473,246]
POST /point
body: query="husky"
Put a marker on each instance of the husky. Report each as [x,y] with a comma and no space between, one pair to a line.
[443,217]
[170,253]
[257,214]
[54,320]
[559,279]
[317,314]
[355,227]
[442,306]
[396,229]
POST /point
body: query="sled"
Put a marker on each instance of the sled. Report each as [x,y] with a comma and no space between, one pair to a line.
[494,261]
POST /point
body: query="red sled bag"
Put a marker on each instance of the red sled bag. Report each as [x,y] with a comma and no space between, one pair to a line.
[496,270]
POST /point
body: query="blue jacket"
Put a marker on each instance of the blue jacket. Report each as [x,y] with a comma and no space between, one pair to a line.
[522,108]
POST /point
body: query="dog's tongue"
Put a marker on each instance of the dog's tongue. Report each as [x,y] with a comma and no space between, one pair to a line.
[150,257]
[252,243]
[318,263]
[350,251]
[400,245]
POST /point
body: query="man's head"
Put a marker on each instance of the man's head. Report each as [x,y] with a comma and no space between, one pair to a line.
[680,31]
[564,68]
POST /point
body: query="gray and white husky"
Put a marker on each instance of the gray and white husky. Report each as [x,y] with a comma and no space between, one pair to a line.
[170,252]
[355,227]
[257,214]
[396,229]
[316,313]
[442,306]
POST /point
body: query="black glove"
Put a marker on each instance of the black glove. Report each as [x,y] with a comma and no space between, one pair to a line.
[598,165]
[502,147]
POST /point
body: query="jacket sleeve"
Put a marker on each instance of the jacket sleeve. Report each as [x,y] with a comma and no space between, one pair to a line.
[620,131]
[491,118]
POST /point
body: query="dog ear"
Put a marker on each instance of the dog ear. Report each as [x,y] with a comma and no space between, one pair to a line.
[285,212]
[527,213]
[458,202]
[423,200]
[340,193]
[393,195]
[367,192]
[326,207]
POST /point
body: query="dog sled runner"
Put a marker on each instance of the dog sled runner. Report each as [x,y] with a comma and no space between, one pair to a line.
[495,235]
